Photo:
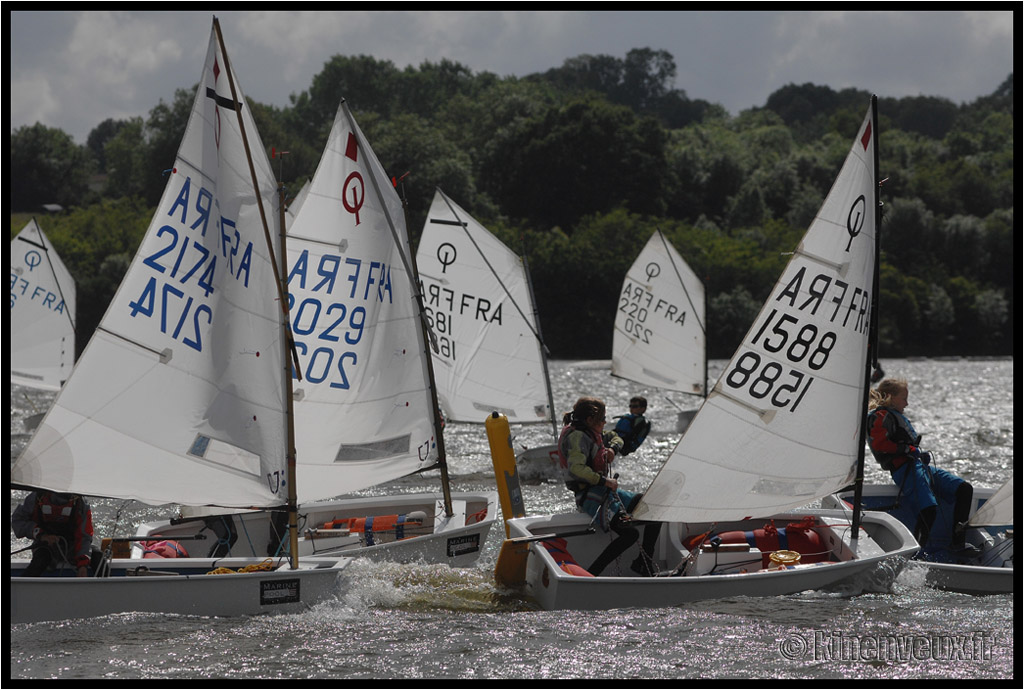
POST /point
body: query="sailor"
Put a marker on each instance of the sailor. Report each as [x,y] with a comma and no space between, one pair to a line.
[586,452]
[896,446]
[60,527]
[633,428]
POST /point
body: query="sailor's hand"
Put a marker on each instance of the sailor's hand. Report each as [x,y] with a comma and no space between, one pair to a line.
[611,483]
[49,539]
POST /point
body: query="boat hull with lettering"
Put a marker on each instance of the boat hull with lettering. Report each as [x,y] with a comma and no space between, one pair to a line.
[187,586]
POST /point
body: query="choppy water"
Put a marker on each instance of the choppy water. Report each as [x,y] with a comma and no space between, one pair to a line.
[425,621]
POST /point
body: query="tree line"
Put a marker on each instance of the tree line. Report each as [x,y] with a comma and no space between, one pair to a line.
[577,166]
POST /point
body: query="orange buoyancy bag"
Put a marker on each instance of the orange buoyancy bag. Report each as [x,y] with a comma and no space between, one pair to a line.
[559,550]
[796,536]
[379,523]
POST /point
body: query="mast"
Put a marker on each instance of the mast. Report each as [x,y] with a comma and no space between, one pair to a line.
[871,356]
[282,290]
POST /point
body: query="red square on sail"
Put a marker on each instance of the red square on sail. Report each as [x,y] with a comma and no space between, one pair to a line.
[866,138]
[352,148]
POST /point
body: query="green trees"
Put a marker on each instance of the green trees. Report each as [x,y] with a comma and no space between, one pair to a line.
[578,165]
[47,168]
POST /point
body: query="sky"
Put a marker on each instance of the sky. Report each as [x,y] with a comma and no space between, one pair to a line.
[74,69]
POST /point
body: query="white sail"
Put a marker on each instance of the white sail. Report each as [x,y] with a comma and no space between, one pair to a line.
[363,412]
[782,426]
[997,510]
[179,394]
[487,350]
[42,312]
[659,336]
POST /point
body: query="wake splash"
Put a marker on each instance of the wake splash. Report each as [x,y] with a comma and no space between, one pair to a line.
[367,585]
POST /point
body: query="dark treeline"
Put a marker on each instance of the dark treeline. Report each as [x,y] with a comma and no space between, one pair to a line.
[577,166]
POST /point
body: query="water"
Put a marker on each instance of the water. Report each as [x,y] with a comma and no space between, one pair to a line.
[426,621]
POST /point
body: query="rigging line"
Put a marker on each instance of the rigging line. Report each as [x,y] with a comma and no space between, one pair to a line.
[282,293]
[237,107]
[279,284]
[870,355]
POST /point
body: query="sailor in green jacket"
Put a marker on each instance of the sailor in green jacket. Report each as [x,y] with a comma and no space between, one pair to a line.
[586,452]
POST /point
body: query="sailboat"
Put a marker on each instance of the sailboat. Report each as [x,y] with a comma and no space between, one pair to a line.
[660,335]
[987,570]
[42,315]
[183,394]
[42,312]
[488,351]
[365,404]
[782,428]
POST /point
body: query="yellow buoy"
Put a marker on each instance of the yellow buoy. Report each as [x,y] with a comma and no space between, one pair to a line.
[499,435]
[510,568]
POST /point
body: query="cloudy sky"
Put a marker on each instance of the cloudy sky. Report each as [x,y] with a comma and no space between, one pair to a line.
[74,69]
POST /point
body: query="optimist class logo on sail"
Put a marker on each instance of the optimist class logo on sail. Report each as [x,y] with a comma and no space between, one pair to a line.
[33,293]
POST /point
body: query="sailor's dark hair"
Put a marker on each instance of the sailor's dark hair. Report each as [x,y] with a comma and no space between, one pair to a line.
[585,408]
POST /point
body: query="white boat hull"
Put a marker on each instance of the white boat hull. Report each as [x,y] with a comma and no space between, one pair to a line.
[990,572]
[881,552]
[456,541]
[186,588]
